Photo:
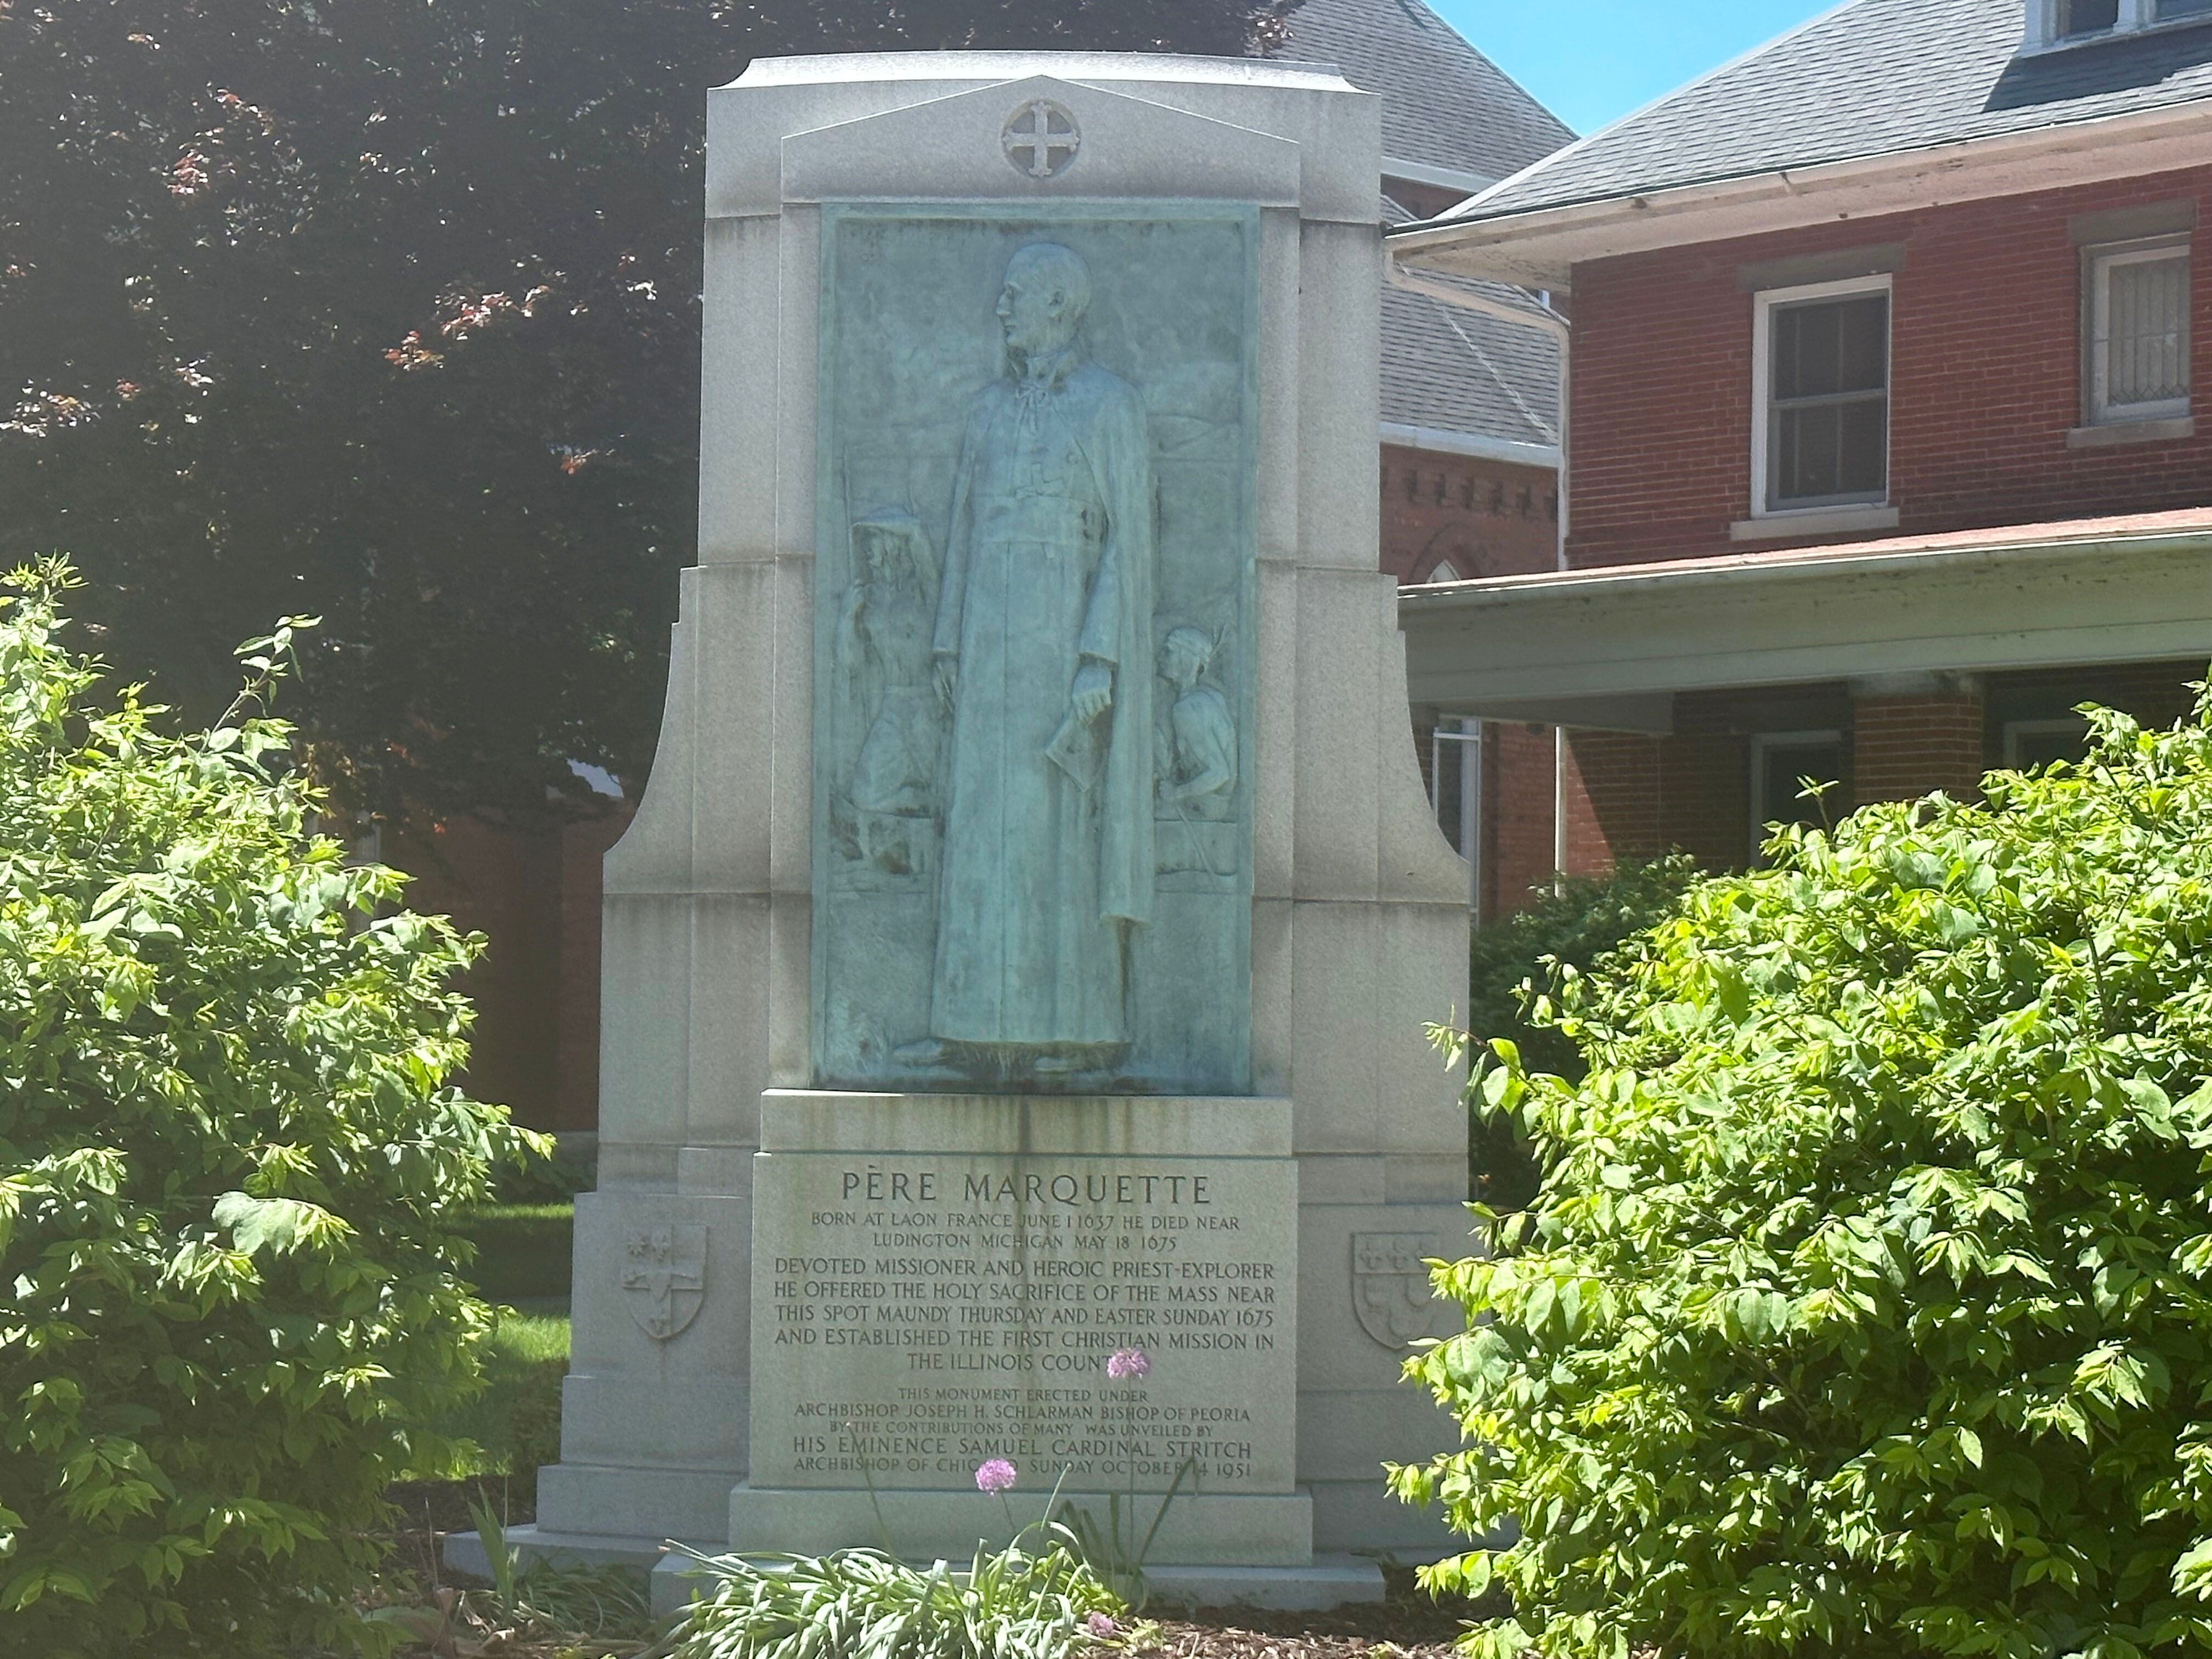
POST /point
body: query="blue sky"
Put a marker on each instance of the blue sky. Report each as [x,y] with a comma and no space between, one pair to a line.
[1594,60]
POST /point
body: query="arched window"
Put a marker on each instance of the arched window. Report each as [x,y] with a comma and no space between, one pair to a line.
[1443,573]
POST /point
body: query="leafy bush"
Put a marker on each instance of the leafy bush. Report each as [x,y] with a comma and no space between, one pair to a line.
[1865,1308]
[861,1604]
[1569,926]
[229,1170]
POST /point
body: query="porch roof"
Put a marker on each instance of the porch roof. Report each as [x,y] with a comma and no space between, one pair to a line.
[1609,647]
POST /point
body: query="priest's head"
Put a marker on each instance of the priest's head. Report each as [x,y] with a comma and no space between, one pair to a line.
[1047,292]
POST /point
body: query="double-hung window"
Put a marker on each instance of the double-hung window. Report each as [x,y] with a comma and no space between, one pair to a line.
[2078,17]
[1456,765]
[1783,764]
[2061,23]
[2032,745]
[1821,416]
[2135,331]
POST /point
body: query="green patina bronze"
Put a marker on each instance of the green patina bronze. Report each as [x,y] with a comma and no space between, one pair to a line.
[1033,679]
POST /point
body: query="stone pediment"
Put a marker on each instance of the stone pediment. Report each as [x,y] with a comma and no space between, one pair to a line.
[985,144]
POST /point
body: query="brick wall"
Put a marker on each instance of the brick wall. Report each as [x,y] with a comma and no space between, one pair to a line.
[1632,797]
[1487,518]
[1904,747]
[584,847]
[1612,791]
[534,893]
[1517,796]
[505,884]
[1986,329]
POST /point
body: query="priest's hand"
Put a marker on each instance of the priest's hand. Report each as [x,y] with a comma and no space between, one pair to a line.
[948,677]
[1093,692]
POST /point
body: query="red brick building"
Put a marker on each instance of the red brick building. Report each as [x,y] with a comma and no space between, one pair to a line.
[1882,452]
[1470,400]
[1468,449]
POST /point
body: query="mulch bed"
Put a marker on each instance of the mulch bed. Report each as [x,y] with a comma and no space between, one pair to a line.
[1409,1624]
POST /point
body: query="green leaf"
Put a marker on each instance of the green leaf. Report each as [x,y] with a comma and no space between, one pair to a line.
[279,1226]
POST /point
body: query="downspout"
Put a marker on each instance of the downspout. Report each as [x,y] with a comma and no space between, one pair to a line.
[1552,323]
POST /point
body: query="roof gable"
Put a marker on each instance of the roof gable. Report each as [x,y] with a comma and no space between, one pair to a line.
[1444,105]
[1871,77]
[1447,369]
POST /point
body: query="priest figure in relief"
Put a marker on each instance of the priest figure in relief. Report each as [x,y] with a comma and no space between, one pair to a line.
[1044,658]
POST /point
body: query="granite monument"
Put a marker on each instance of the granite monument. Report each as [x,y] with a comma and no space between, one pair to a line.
[1020,956]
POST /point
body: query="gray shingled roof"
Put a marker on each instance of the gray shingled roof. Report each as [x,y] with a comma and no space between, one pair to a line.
[1872,77]
[1444,104]
[1462,371]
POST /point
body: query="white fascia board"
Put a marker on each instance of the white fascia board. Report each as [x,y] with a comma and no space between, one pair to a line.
[987,68]
[1540,247]
[1421,173]
[1476,445]
[1590,637]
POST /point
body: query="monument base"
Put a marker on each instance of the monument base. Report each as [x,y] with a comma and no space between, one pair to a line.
[1333,1581]
[1325,1582]
[1200,1530]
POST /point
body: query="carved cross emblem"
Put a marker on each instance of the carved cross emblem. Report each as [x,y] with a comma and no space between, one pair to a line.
[1041,138]
[665,1279]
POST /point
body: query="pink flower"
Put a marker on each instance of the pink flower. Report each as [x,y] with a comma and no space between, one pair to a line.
[1127,1362]
[997,1475]
[1102,1626]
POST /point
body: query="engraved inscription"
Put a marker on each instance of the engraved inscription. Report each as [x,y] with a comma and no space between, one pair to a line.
[926,1315]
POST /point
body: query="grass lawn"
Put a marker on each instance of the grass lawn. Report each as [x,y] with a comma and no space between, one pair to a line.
[517,1419]
[522,1264]
[523,1252]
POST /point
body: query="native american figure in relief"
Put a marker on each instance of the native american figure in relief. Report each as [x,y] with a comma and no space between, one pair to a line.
[883,651]
[1195,763]
[1196,747]
[1043,654]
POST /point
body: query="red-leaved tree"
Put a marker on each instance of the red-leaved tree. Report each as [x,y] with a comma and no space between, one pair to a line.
[387,311]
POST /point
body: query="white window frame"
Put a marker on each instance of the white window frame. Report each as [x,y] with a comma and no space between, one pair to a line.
[1761,743]
[1764,304]
[2134,17]
[1467,734]
[2097,260]
[2013,730]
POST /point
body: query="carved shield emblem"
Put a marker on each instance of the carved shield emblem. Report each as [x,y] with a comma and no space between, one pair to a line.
[1390,1292]
[664,1277]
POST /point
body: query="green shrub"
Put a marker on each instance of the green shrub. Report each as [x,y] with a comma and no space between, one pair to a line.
[1569,926]
[229,1167]
[1865,1308]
